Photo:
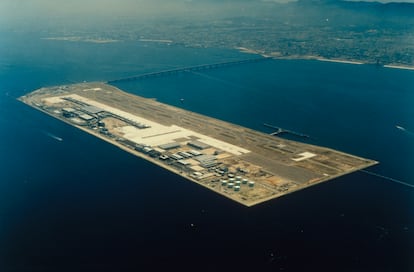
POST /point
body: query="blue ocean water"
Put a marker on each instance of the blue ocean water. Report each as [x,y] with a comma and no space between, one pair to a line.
[82,204]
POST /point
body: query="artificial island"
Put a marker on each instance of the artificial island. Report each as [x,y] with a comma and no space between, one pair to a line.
[245,165]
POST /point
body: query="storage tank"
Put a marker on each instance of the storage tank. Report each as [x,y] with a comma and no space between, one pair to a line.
[244,181]
[236,188]
[251,183]
[230,185]
[224,182]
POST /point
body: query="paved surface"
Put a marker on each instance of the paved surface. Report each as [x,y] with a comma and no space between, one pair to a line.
[140,126]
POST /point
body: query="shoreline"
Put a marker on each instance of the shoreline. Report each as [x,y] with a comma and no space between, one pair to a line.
[402,67]
[79,39]
[392,66]
[318,58]
[340,61]
[156,40]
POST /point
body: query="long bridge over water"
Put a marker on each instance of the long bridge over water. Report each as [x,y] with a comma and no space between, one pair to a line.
[188,69]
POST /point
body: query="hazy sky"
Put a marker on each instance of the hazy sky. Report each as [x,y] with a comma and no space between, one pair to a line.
[40,9]
[113,5]
[36,9]
[385,1]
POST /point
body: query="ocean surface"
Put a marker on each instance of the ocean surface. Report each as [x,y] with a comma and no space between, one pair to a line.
[71,202]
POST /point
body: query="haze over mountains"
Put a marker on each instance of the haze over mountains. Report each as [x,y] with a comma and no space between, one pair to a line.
[365,31]
[44,9]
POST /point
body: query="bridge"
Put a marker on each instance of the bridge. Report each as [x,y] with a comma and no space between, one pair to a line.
[188,69]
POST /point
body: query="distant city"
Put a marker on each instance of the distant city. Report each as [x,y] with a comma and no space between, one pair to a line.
[352,31]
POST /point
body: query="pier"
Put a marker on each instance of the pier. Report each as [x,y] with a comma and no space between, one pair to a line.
[280,131]
[188,69]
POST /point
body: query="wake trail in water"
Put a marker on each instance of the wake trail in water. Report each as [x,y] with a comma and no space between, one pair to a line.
[53,136]
[388,178]
[226,82]
[406,131]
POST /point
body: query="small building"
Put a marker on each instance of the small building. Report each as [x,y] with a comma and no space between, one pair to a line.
[147,149]
[86,117]
[125,142]
[208,164]
[197,175]
[198,145]
[141,126]
[91,109]
[164,157]
[176,157]
[204,158]
[170,146]
[184,163]
[68,112]
[154,153]
[185,154]
[139,147]
[206,161]
[195,153]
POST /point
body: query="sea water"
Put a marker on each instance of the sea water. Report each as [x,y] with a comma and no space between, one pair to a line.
[69,200]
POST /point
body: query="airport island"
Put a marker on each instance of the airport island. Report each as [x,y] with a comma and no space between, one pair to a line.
[247,166]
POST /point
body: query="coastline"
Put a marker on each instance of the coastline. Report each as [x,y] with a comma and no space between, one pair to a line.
[318,58]
[80,39]
[402,67]
[156,40]
[340,61]
[393,66]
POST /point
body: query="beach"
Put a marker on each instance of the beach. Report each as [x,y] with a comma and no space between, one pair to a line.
[399,67]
